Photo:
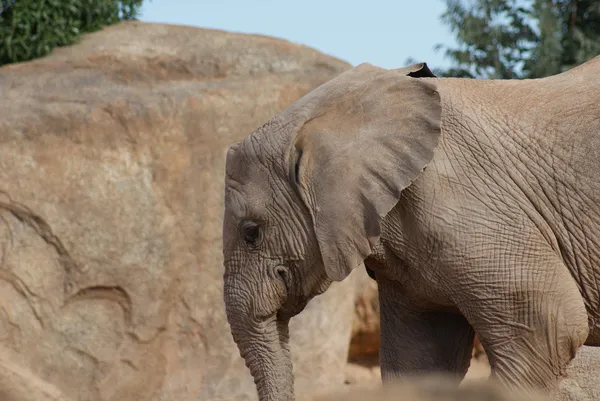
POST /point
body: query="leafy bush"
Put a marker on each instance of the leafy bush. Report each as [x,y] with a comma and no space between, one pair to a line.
[32,28]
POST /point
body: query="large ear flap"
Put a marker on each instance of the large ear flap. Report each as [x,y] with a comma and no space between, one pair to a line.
[367,135]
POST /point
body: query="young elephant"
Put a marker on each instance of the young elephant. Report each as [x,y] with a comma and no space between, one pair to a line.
[475,204]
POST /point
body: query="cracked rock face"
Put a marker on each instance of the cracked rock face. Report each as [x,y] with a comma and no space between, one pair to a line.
[111,189]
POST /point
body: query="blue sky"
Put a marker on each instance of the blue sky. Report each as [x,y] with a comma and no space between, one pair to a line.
[383,32]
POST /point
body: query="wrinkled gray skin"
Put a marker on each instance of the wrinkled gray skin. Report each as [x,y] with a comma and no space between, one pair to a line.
[476,204]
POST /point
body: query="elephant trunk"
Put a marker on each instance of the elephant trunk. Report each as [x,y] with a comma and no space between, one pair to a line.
[264,345]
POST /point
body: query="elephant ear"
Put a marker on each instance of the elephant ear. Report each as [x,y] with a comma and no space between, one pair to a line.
[418,70]
[367,134]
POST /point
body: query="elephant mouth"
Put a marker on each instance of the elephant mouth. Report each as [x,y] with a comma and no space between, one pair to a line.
[289,311]
[293,300]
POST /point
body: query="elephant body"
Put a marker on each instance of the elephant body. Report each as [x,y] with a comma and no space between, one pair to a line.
[510,202]
[474,204]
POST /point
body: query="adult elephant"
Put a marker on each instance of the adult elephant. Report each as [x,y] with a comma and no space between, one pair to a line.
[475,204]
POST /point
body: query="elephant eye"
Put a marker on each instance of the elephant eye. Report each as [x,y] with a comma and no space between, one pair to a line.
[250,232]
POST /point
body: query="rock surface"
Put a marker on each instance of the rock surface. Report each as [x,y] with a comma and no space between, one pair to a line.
[364,344]
[583,377]
[111,183]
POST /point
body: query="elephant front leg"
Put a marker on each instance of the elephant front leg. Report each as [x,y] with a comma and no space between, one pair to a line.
[531,321]
[415,341]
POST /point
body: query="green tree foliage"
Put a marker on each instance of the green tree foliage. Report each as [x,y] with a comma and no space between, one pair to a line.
[32,28]
[504,39]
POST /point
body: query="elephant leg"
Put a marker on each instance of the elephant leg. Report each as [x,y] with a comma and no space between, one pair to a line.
[531,321]
[417,341]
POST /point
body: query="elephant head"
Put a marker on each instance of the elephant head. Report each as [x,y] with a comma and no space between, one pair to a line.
[304,198]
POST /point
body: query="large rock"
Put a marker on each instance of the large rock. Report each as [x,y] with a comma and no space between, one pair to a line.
[364,343]
[111,191]
[583,377]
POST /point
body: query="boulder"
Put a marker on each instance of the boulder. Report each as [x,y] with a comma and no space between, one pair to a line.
[111,200]
[364,344]
[583,377]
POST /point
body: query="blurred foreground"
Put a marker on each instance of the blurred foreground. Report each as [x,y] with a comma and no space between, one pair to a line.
[431,388]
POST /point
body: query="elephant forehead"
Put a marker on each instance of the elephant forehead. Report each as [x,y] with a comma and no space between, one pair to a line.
[262,152]
[248,198]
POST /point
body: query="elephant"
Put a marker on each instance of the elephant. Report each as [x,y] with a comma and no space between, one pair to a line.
[475,204]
